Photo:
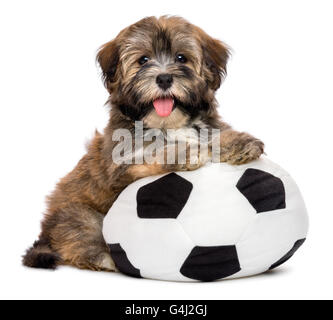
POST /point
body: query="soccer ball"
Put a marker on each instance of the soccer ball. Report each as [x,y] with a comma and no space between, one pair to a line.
[218,222]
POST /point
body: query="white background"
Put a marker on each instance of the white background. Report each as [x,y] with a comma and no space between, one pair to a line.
[279,88]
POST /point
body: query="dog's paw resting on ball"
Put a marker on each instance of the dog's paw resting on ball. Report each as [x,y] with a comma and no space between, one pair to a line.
[162,73]
[239,148]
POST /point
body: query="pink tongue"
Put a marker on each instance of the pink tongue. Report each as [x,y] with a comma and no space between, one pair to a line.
[163,107]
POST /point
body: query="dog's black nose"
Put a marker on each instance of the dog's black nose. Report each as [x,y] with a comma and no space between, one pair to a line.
[164,81]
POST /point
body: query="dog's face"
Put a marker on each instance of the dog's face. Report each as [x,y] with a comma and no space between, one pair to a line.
[163,71]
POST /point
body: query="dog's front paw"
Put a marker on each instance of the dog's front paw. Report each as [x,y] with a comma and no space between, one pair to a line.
[243,150]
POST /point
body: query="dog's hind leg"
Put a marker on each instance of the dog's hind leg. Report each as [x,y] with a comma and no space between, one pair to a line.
[71,236]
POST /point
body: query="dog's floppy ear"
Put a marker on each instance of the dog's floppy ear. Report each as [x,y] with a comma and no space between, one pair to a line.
[108,59]
[215,58]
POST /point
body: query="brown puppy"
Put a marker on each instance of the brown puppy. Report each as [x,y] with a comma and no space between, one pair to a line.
[163,72]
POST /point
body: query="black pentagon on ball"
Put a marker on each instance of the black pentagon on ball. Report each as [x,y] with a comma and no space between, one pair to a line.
[264,191]
[163,198]
[121,261]
[211,263]
[288,255]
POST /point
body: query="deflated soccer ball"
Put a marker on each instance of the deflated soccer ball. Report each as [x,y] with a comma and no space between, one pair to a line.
[218,222]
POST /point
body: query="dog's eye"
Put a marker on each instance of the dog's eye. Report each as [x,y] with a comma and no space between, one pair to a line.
[181,58]
[143,60]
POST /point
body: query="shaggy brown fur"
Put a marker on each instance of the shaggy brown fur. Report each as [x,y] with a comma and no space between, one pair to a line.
[71,229]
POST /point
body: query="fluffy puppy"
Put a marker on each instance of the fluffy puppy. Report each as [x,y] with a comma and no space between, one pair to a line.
[163,72]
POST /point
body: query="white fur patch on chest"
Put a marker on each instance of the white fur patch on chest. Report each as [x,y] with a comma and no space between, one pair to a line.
[177,119]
